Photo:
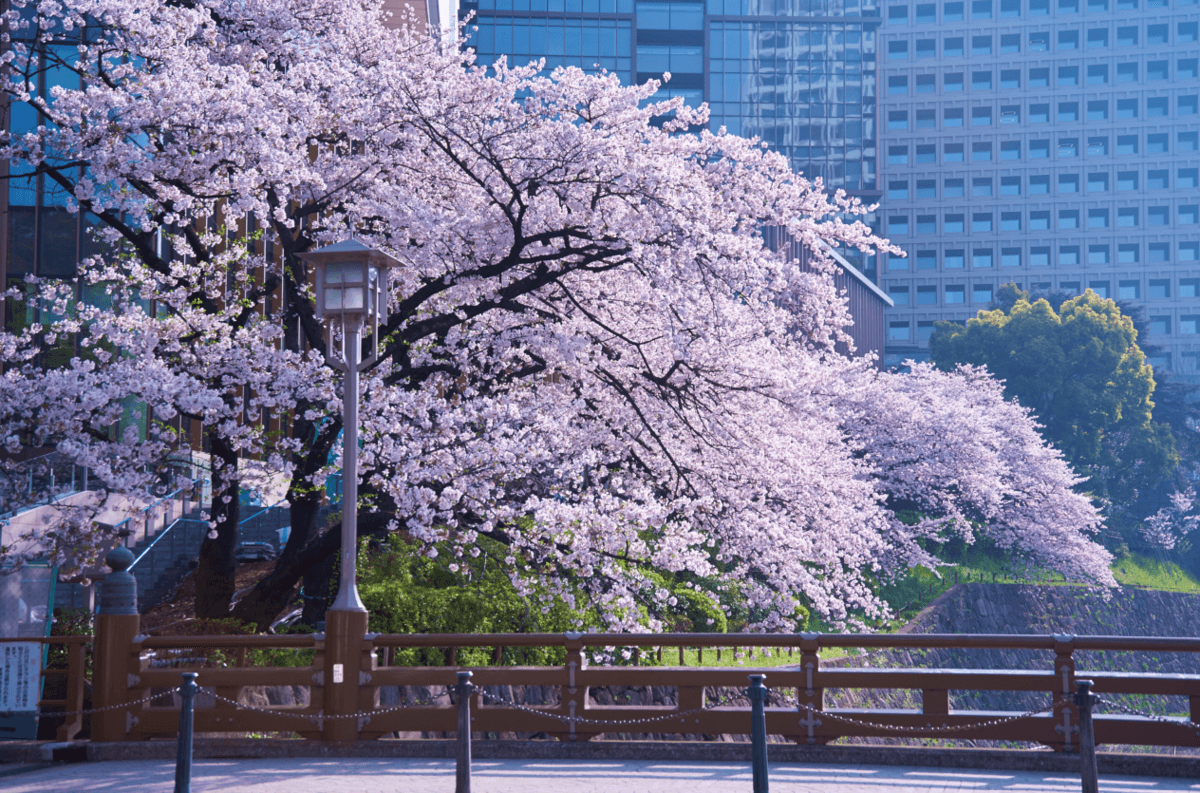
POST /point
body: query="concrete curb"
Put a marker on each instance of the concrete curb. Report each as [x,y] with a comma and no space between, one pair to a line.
[1154,765]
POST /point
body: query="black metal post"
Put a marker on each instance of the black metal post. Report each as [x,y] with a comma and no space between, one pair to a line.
[183,755]
[463,775]
[1087,737]
[758,732]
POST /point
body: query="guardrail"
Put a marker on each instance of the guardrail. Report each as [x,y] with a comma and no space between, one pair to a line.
[344,697]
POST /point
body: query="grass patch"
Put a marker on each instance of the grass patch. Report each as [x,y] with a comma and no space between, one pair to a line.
[1144,571]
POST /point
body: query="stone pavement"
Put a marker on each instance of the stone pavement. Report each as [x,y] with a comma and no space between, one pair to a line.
[419,775]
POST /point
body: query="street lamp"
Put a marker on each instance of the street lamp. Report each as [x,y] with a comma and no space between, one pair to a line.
[351,292]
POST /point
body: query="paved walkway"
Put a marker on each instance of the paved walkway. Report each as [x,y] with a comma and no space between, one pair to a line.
[405,775]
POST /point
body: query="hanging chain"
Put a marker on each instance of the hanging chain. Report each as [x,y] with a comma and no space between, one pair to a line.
[814,712]
[1187,725]
[582,720]
[88,711]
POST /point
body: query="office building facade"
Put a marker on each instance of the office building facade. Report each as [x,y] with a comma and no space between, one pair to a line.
[1051,143]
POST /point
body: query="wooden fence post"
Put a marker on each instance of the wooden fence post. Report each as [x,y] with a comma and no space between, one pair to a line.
[344,635]
[1065,709]
[117,623]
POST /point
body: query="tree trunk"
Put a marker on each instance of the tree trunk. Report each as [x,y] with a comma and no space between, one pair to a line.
[215,575]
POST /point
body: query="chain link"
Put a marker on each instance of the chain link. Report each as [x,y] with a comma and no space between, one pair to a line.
[89,711]
[582,720]
[813,712]
[1188,725]
[323,717]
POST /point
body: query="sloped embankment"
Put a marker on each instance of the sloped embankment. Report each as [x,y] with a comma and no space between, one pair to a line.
[1022,608]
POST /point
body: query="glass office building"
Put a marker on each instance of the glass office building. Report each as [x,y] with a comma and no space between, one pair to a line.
[799,74]
[1051,143]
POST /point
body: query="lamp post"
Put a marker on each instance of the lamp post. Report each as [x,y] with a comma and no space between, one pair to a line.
[351,281]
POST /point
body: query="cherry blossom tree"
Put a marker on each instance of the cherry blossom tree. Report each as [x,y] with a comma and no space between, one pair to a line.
[592,358]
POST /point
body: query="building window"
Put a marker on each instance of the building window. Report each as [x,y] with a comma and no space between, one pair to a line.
[1039,78]
[1039,256]
[1010,78]
[926,153]
[1068,218]
[1160,252]
[1127,253]
[952,188]
[926,119]
[981,45]
[897,262]
[1068,111]
[1010,150]
[926,13]
[926,260]
[1010,43]
[898,224]
[982,117]
[926,48]
[898,331]
[1127,217]
[1188,323]
[952,117]
[1068,75]
[1156,143]
[981,152]
[898,84]
[1160,326]
[1128,290]
[981,258]
[952,47]
[1157,70]
[952,152]
[1127,36]
[1097,110]
[927,224]
[1010,257]
[1158,288]
[1068,183]
[1071,287]
[981,294]
[952,82]
[1189,214]
[1097,147]
[981,9]
[1039,8]
[981,81]
[1157,106]
[898,15]
[897,189]
[981,221]
[981,186]
[1127,72]
[1189,251]
[1068,255]
[1158,216]
[1188,141]
[1097,218]
[1127,144]
[954,259]
[1039,113]
[1097,74]
[926,84]
[1156,34]
[956,294]
[1186,68]
[1039,220]
[1156,179]
[897,155]
[926,295]
[1127,180]
[897,50]
[1010,8]
[925,329]
[952,12]
[1068,147]
[899,295]
[1189,287]
[1039,184]
[1039,149]
[1098,254]
[1186,31]
[1188,105]
[1068,39]
[898,119]
[1010,185]
[1097,182]
[1097,38]
[1099,287]
[954,223]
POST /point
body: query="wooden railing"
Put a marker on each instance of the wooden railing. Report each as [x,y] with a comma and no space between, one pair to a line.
[350,689]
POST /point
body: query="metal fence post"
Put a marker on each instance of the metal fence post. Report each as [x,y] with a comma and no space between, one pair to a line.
[758,732]
[463,777]
[183,755]
[1087,737]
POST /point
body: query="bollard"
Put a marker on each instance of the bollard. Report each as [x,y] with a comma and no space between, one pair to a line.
[183,755]
[463,776]
[758,732]
[1087,737]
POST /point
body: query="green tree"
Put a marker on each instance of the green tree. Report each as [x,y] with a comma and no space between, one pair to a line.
[1080,371]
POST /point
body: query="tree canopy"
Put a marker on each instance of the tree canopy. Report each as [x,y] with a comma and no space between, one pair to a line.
[1081,372]
[592,359]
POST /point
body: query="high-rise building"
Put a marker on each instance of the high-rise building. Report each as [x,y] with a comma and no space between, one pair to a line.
[799,74]
[1051,143]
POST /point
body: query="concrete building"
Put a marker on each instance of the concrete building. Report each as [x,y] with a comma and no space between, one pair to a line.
[1051,143]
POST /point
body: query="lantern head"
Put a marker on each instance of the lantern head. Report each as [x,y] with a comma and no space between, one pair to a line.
[351,282]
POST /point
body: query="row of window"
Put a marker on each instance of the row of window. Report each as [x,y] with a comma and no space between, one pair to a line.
[1041,149]
[1040,112]
[927,13]
[1043,220]
[1039,184]
[1042,41]
[901,330]
[1042,256]
[1126,289]
[1040,77]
